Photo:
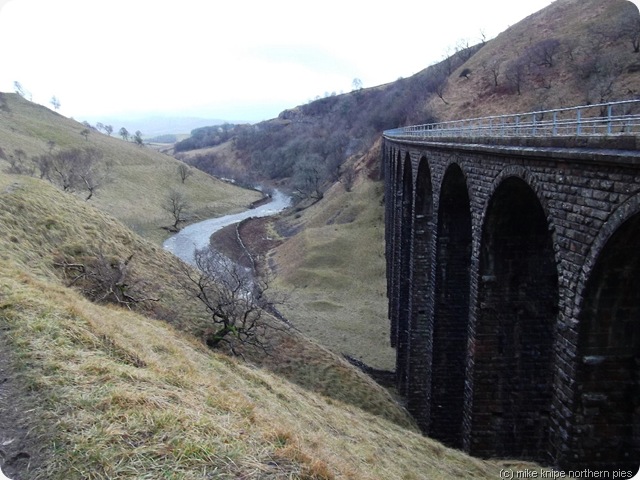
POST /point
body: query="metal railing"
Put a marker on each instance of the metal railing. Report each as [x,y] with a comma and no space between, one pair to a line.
[604,119]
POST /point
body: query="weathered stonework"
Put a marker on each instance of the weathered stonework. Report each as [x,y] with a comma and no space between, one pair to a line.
[514,297]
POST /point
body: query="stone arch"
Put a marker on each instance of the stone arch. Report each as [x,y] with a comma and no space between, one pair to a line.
[607,395]
[515,325]
[404,274]
[422,293]
[451,309]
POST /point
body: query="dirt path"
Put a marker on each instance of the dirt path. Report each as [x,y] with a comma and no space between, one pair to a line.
[21,449]
[246,240]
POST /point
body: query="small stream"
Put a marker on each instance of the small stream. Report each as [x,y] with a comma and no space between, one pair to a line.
[184,243]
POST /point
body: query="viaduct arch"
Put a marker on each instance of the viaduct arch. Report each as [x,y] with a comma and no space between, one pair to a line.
[514,296]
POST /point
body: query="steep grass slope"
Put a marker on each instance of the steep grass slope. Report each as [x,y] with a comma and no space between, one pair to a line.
[112,393]
[140,177]
[334,272]
[573,52]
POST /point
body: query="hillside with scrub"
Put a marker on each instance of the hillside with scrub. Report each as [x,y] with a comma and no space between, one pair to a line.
[329,250]
[100,390]
[129,181]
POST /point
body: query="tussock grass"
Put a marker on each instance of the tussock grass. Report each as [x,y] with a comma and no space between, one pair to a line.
[334,269]
[123,395]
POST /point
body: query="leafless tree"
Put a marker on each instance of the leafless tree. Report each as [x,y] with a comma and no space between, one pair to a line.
[76,169]
[493,67]
[437,80]
[17,87]
[106,279]
[137,138]
[605,72]
[348,178]
[543,52]
[309,177]
[234,298]
[464,49]
[630,30]
[184,172]
[176,204]
[55,102]
[515,74]
[18,163]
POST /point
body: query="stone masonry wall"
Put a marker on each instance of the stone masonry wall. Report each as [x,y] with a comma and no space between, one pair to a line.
[583,195]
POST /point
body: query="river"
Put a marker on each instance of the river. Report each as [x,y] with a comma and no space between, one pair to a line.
[184,243]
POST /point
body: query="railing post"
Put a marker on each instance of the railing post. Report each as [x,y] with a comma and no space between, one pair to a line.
[555,123]
[578,120]
[609,119]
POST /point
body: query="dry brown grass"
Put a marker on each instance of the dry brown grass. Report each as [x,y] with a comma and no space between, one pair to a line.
[566,20]
[122,395]
[333,271]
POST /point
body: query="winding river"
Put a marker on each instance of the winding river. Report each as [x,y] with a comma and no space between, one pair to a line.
[184,244]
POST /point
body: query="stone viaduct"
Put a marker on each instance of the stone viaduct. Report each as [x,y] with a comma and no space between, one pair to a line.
[513,273]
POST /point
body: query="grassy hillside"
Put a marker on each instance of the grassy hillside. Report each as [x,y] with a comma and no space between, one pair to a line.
[140,177]
[573,52]
[99,391]
[334,271]
[332,257]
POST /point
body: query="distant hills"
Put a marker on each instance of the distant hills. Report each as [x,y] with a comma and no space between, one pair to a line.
[156,125]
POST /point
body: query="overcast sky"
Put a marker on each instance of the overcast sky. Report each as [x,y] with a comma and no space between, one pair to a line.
[233,60]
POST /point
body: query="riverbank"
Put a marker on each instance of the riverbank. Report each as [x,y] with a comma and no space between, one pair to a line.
[198,235]
[245,240]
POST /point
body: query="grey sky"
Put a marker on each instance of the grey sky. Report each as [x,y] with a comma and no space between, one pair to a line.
[236,60]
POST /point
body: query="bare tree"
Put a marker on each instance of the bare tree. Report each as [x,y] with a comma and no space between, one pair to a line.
[235,300]
[348,177]
[17,86]
[18,163]
[55,102]
[308,177]
[108,129]
[176,203]
[605,73]
[493,66]
[630,30]
[105,279]
[137,138]
[75,170]
[515,74]
[543,52]
[124,133]
[437,80]
[184,172]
